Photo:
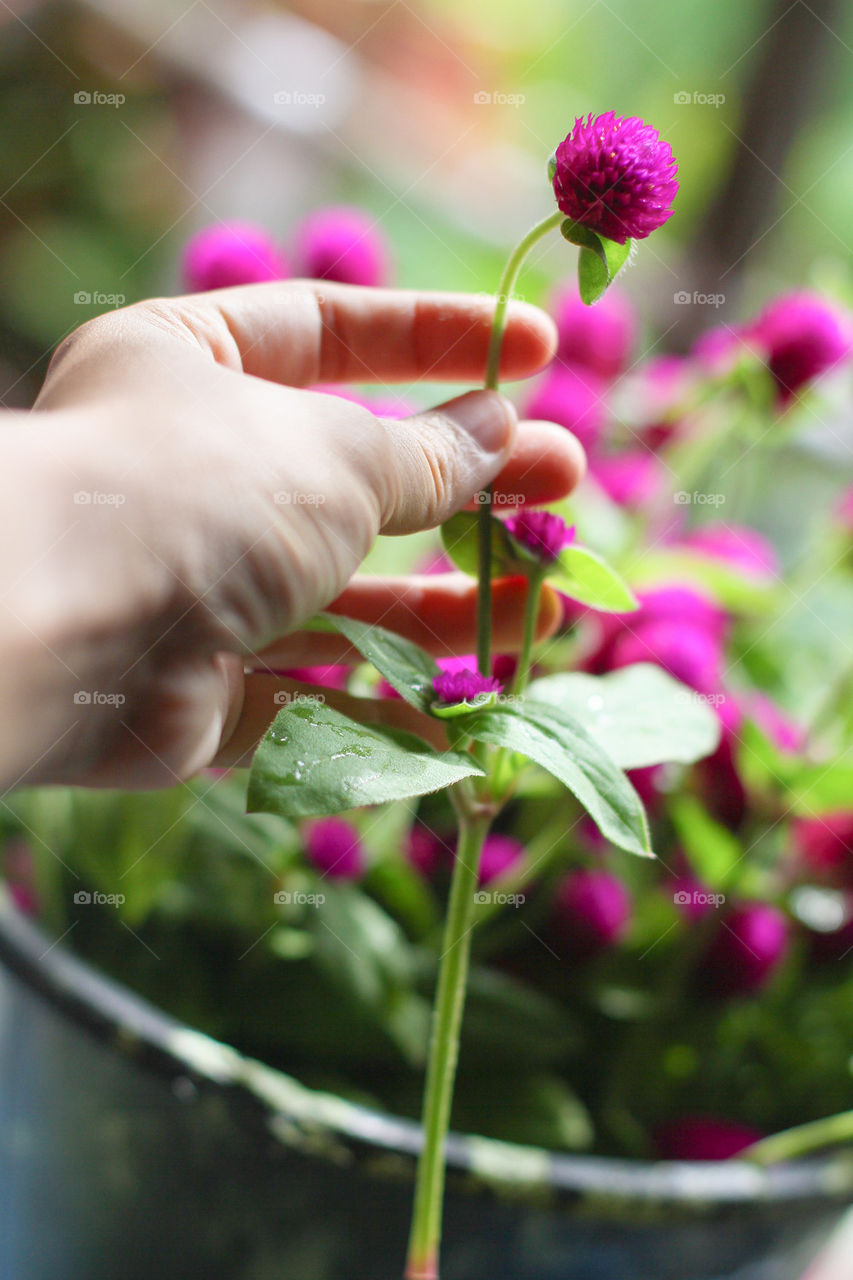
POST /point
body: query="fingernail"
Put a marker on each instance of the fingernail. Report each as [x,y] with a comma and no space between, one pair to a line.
[487,416]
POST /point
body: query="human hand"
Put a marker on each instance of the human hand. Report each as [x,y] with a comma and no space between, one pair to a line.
[183,596]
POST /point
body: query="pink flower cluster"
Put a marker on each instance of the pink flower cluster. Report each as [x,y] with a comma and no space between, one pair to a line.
[335,243]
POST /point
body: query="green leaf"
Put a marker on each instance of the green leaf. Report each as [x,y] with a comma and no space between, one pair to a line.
[407,667]
[552,166]
[599,261]
[584,576]
[560,744]
[712,850]
[459,536]
[639,714]
[313,760]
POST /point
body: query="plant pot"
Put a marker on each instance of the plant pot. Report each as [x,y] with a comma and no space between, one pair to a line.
[134,1146]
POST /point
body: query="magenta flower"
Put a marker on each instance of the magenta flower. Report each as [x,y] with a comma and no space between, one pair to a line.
[630,479]
[703,1138]
[341,243]
[591,911]
[736,545]
[463,685]
[541,532]
[599,338]
[500,854]
[716,350]
[615,175]
[825,846]
[802,337]
[333,676]
[689,653]
[572,397]
[426,851]
[233,253]
[748,948]
[334,846]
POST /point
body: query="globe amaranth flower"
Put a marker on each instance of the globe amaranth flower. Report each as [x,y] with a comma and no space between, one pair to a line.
[591,912]
[500,854]
[463,684]
[574,398]
[801,336]
[616,176]
[541,532]
[341,243]
[230,254]
[631,478]
[703,1138]
[824,847]
[746,951]
[599,338]
[334,847]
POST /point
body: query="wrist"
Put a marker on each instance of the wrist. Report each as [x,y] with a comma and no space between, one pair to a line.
[80,597]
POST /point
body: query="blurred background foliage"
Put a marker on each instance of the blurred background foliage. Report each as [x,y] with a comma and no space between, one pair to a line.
[101,198]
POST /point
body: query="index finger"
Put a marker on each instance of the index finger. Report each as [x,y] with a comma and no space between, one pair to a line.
[301,332]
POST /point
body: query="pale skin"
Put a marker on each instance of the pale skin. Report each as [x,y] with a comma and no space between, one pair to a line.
[173,593]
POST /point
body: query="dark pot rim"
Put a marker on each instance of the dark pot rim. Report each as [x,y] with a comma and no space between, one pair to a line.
[331,1127]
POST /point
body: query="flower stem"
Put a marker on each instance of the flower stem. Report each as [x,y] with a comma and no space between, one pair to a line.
[422,1262]
[531,612]
[804,1140]
[505,288]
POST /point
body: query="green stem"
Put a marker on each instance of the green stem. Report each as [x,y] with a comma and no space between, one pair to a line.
[829,1131]
[422,1262]
[531,613]
[505,288]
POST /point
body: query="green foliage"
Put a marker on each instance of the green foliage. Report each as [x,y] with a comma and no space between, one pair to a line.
[314,760]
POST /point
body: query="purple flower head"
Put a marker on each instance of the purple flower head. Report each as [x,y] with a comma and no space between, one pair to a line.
[463,685]
[748,948]
[716,350]
[688,652]
[599,338]
[233,253]
[591,911]
[334,846]
[340,243]
[426,851]
[573,397]
[630,479]
[703,1138]
[736,545]
[541,532]
[802,337]
[500,854]
[615,175]
[825,846]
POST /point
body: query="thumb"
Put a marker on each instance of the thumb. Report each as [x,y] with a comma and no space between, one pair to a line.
[440,458]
